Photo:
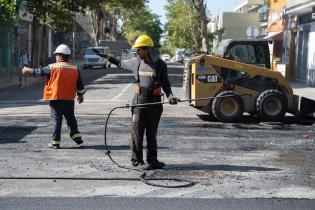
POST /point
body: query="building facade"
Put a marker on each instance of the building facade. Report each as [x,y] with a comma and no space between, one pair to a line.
[301,26]
[232,25]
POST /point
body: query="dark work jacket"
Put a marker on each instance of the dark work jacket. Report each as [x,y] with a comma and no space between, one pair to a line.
[149,74]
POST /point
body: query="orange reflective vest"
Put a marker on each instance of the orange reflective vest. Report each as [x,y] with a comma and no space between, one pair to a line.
[62,83]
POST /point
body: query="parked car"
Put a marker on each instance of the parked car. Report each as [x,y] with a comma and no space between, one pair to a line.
[128,54]
[165,57]
[186,55]
[91,60]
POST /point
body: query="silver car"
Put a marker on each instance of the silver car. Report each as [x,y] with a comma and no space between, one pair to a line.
[91,60]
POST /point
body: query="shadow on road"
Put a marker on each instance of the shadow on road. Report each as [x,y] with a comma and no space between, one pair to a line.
[252,119]
[219,167]
[14,134]
[102,147]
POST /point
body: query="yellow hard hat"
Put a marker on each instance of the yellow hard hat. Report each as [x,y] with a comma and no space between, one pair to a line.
[143,41]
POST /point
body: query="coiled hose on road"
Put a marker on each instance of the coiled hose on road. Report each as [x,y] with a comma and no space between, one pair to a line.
[143,177]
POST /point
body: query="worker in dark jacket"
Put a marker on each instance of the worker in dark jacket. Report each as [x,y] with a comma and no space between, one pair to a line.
[151,75]
[62,85]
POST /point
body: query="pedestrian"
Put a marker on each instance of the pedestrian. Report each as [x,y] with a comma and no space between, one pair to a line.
[62,84]
[24,61]
[151,75]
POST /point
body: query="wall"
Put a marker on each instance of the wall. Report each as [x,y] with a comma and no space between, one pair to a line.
[311,57]
[5,51]
[276,20]
[232,25]
[294,4]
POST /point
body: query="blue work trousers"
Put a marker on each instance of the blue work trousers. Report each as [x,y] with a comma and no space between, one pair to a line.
[60,108]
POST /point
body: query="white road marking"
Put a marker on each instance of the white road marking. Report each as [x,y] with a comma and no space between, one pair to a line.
[122,92]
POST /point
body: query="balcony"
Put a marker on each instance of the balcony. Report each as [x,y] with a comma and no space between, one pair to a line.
[263,17]
[263,13]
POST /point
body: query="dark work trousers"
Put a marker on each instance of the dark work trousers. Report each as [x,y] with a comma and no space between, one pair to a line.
[61,108]
[145,119]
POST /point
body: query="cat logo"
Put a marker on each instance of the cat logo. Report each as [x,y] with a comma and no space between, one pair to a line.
[208,78]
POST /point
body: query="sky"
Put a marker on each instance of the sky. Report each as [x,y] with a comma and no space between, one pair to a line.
[215,6]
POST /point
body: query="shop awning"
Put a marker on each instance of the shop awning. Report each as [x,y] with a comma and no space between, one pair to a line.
[274,35]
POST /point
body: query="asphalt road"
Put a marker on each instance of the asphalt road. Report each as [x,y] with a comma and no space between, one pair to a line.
[230,161]
[123,203]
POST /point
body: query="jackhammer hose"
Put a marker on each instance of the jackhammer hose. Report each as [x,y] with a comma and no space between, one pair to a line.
[107,152]
[143,175]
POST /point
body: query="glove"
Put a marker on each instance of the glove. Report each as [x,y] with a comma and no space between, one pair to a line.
[173,100]
[97,52]
[80,99]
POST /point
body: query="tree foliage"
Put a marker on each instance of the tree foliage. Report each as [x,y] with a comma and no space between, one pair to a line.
[200,7]
[187,25]
[113,11]
[143,21]
[182,26]
[59,15]
[7,12]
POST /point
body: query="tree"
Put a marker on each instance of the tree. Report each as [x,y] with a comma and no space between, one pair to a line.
[101,11]
[182,26]
[143,21]
[58,15]
[187,25]
[7,19]
[200,7]
[7,12]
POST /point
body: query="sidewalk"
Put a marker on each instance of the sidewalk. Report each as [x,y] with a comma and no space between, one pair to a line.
[10,80]
[301,89]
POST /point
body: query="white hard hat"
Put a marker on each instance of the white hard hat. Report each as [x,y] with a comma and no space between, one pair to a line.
[63,49]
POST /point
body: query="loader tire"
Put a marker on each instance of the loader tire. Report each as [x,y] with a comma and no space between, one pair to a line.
[210,113]
[271,105]
[228,109]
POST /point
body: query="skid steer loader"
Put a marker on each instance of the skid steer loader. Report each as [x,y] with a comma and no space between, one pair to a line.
[240,79]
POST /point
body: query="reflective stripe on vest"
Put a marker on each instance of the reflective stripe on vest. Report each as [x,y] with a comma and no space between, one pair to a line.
[62,83]
[147,73]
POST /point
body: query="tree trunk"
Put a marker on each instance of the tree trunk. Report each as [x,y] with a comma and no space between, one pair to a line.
[44,54]
[200,6]
[113,28]
[96,19]
[194,33]
[204,27]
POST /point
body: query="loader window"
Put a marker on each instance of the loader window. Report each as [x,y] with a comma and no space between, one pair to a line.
[243,53]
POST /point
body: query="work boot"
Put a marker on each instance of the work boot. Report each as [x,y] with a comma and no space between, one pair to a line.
[54,146]
[136,163]
[79,141]
[153,165]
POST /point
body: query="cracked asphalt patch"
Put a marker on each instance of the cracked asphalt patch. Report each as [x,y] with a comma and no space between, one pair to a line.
[224,160]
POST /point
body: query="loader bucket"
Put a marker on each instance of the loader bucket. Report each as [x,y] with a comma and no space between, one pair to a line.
[303,106]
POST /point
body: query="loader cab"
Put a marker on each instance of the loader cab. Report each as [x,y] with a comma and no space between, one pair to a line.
[250,51]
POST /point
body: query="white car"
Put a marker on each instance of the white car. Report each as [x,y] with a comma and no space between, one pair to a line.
[165,57]
[91,60]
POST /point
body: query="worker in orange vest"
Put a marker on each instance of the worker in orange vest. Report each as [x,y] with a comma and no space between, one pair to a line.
[62,85]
